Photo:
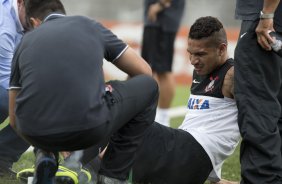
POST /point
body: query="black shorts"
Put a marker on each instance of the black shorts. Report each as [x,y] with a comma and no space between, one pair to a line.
[170,156]
[158,49]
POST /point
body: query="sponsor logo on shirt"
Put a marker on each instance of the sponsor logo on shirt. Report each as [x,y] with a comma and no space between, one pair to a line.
[199,104]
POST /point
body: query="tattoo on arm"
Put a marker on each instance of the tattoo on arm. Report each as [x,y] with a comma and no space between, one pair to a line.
[232,83]
[228,85]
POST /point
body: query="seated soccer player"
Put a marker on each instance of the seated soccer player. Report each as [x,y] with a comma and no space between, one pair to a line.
[209,133]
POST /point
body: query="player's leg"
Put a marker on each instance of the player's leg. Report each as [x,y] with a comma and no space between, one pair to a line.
[167,90]
[162,69]
[170,156]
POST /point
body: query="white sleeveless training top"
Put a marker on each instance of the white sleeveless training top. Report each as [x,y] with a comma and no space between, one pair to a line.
[212,118]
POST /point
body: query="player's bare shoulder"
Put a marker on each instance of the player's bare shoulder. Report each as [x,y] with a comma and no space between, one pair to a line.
[228,84]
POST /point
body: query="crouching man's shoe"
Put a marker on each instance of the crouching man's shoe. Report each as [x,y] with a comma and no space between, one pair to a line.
[46,166]
[107,180]
[63,176]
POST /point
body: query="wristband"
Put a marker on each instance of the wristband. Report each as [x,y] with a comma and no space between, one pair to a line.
[266,15]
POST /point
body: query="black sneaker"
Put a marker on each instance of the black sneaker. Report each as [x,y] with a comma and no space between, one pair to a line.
[63,175]
[46,166]
[83,175]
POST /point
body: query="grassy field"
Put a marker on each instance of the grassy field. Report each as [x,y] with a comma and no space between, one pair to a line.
[230,170]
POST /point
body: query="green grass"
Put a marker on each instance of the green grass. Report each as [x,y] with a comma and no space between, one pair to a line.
[231,167]
[181,96]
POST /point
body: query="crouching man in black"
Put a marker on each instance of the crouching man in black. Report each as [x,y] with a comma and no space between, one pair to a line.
[58,98]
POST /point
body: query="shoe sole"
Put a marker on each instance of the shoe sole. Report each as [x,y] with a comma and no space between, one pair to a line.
[45,171]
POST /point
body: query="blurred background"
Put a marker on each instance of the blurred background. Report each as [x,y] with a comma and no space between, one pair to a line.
[125,19]
[132,10]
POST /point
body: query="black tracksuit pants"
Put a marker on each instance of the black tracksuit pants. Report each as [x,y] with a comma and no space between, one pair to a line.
[258,82]
[132,108]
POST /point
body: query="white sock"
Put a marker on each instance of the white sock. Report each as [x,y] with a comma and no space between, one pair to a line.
[162,117]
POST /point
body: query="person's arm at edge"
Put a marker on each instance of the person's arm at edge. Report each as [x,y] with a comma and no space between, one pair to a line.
[265,25]
[133,64]
[228,91]
[12,104]
[270,6]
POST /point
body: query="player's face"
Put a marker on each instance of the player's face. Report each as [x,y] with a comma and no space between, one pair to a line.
[204,56]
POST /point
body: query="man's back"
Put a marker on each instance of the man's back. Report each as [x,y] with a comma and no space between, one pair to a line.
[61,68]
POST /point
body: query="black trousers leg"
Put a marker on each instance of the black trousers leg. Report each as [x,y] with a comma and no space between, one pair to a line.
[165,156]
[258,78]
[170,156]
[11,145]
[132,105]
[132,112]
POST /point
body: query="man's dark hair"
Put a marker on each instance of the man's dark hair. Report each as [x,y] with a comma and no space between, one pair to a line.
[42,8]
[208,27]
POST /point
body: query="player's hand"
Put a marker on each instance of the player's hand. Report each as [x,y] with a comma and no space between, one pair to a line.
[262,30]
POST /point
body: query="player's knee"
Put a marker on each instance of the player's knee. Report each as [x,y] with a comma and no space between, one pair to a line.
[152,85]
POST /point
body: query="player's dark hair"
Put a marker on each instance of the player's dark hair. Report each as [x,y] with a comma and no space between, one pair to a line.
[208,27]
[42,8]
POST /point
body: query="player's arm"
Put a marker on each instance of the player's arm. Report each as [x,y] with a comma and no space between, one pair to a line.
[12,105]
[228,84]
[133,64]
